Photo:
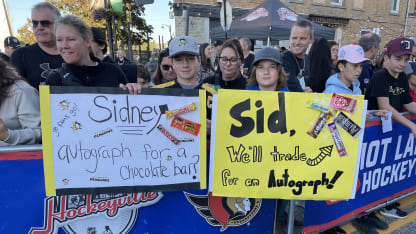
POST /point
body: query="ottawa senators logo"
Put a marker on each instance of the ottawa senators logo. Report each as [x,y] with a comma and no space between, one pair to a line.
[225,211]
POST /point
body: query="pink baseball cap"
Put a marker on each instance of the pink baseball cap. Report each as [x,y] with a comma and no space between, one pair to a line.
[352,54]
[400,46]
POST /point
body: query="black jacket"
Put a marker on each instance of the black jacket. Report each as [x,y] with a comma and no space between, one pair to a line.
[102,75]
[239,83]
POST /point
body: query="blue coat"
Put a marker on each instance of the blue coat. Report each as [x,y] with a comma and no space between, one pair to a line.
[335,85]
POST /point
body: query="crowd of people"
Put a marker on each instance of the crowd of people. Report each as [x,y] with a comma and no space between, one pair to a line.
[68,52]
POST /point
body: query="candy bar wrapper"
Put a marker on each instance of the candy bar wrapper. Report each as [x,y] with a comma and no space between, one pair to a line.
[181,110]
[167,134]
[186,125]
[347,124]
[337,139]
[318,125]
[318,107]
[343,103]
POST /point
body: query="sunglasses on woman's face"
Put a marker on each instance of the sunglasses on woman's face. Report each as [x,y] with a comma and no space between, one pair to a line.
[166,67]
[44,23]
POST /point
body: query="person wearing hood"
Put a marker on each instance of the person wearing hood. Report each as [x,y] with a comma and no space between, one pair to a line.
[350,64]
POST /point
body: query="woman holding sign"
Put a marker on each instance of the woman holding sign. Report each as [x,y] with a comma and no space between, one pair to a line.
[73,40]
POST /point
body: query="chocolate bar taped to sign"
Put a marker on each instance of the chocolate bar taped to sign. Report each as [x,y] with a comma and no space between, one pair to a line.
[319,124]
[316,106]
[343,103]
[167,134]
[337,139]
[347,124]
[181,110]
[186,125]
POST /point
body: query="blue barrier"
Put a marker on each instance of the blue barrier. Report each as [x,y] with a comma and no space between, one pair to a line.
[26,209]
[387,171]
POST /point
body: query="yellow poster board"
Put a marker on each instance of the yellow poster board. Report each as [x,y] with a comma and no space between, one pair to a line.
[262,148]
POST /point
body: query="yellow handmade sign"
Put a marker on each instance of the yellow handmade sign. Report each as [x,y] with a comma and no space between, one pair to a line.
[286,145]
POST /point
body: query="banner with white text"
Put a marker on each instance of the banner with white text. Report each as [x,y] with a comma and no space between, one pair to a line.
[26,209]
[387,170]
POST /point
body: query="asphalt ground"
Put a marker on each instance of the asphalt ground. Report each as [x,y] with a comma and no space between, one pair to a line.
[396,226]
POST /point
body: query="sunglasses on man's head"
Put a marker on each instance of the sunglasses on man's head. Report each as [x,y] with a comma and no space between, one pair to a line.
[44,23]
[166,67]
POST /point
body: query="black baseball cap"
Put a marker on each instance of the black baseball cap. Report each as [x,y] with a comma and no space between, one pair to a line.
[98,35]
[12,42]
[218,43]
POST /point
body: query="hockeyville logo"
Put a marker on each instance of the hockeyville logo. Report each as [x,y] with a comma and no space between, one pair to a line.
[68,210]
[225,211]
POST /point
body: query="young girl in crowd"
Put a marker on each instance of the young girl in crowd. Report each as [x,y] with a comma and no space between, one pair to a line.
[206,69]
[267,72]
[320,65]
[333,45]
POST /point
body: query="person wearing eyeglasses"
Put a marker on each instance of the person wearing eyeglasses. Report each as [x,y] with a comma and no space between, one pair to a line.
[81,68]
[37,61]
[229,75]
[164,71]
[10,45]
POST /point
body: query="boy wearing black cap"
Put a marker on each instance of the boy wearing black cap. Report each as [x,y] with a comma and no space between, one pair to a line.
[99,45]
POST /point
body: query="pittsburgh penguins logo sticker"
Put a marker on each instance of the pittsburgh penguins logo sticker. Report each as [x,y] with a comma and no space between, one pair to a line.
[182,42]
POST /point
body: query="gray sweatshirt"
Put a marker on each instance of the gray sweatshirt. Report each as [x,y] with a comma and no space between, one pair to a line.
[20,113]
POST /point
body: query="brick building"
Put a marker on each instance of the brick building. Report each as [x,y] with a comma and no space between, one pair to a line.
[350,18]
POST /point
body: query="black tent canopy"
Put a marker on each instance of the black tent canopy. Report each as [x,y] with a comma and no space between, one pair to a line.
[270,20]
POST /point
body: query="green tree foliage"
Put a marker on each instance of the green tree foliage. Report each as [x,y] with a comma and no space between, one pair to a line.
[80,8]
[98,18]
[132,14]
[25,33]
